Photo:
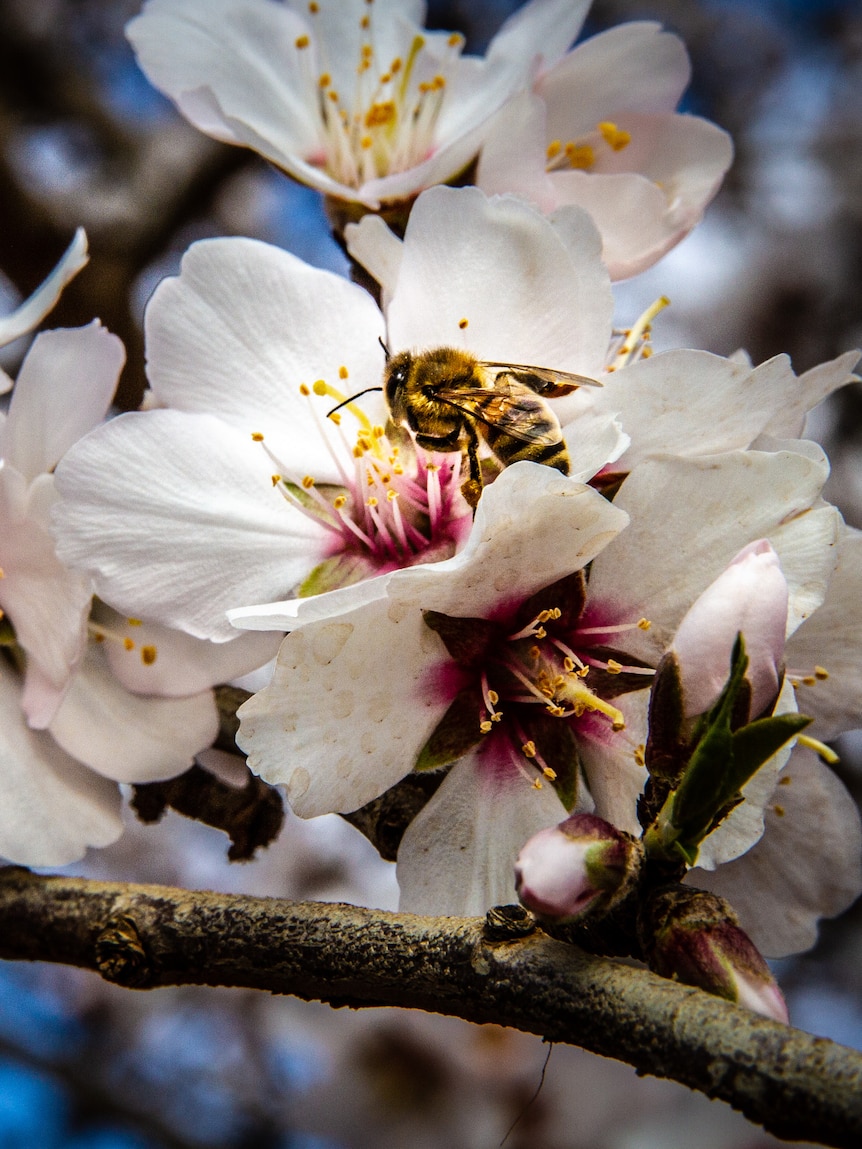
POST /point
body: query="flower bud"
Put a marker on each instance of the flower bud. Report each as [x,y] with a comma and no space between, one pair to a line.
[582,866]
[749,596]
[694,936]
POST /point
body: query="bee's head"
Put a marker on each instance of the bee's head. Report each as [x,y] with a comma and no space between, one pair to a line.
[395,377]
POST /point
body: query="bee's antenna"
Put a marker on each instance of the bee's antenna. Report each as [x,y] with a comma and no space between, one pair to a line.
[386,350]
[350,399]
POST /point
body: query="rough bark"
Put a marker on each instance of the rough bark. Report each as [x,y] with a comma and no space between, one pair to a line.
[501,970]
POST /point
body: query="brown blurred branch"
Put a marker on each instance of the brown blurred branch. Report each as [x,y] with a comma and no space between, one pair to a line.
[799,1087]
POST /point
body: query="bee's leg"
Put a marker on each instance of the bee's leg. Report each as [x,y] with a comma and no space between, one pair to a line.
[471,488]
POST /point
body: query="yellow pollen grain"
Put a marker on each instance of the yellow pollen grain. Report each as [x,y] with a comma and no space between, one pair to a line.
[336,418]
[640,755]
[148,655]
[372,502]
[529,749]
[614,667]
[395,66]
[646,352]
[302,42]
[307,482]
[98,638]
[128,644]
[134,622]
[325,79]
[554,149]
[485,727]
[493,697]
[616,138]
[257,437]
[276,479]
[386,78]
[583,672]
[550,774]
[339,501]
[809,680]
[358,451]
[568,665]
[537,785]
[785,781]
[333,95]
[304,389]
[379,114]
[314,7]
[462,323]
[644,624]
[497,716]
[779,810]
[821,672]
[391,496]
[365,22]
[541,632]
[454,40]
[319,387]
[377,431]
[580,156]
[366,142]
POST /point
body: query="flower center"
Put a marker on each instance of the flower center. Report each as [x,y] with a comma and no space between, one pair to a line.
[395,504]
[387,122]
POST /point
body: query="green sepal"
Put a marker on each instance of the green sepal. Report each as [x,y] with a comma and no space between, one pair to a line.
[756,743]
[456,733]
[559,749]
[568,595]
[666,751]
[338,571]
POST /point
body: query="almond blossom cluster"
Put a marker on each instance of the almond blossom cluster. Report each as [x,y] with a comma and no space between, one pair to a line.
[619,668]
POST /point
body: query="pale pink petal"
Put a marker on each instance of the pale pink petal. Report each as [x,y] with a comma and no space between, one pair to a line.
[514,154]
[64,389]
[458,854]
[371,243]
[832,638]
[177,518]
[809,390]
[53,808]
[33,310]
[614,771]
[807,865]
[539,32]
[632,67]
[128,737]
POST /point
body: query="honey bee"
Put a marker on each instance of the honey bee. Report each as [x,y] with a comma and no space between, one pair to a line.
[450,400]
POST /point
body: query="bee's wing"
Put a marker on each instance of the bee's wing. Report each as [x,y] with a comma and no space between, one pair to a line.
[508,406]
[543,380]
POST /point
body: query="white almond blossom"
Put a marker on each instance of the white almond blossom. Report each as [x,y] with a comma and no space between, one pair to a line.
[238,490]
[352,97]
[599,130]
[358,698]
[78,715]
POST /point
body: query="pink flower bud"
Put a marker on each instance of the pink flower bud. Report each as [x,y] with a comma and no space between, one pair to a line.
[582,866]
[749,596]
[694,937]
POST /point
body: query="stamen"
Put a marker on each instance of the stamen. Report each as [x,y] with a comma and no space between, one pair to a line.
[825,752]
[616,138]
[639,332]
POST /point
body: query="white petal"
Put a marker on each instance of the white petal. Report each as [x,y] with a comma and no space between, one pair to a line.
[291,614]
[692,403]
[64,389]
[807,865]
[514,154]
[458,854]
[177,518]
[371,243]
[832,638]
[348,709]
[33,310]
[811,388]
[243,326]
[540,26]
[236,58]
[47,602]
[508,272]
[53,808]
[127,737]
[151,659]
[614,776]
[689,517]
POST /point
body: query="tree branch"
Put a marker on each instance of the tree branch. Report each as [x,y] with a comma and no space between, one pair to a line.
[502,970]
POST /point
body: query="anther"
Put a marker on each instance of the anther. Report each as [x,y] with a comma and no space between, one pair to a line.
[148,655]
[257,437]
[302,42]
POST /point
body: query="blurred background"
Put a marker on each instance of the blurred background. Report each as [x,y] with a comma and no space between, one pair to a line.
[776,267]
